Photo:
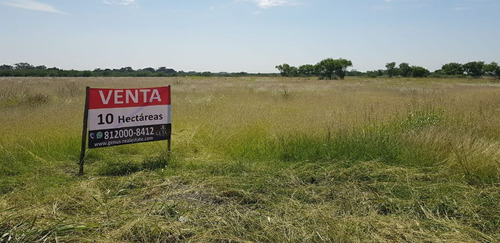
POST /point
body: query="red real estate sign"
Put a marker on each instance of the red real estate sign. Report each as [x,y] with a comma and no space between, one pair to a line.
[124,116]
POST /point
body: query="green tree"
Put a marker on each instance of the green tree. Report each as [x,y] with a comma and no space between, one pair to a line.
[491,69]
[306,70]
[355,73]
[126,70]
[391,69]
[294,71]
[342,65]
[6,67]
[284,69]
[419,72]
[375,73]
[166,71]
[149,69]
[287,70]
[474,69]
[53,72]
[23,65]
[328,68]
[6,70]
[405,69]
[453,68]
[107,72]
[86,73]
[372,74]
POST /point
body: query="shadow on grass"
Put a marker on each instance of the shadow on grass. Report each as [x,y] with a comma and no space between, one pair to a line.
[121,168]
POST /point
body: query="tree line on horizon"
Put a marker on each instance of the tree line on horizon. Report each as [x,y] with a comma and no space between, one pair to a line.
[473,69]
[24,69]
[337,69]
[326,69]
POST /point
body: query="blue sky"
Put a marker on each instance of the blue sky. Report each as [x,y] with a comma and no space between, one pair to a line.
[247,35]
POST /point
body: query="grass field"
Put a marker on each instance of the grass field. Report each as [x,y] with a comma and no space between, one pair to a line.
[258,160]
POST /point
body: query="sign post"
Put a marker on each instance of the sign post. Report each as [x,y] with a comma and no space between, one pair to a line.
[84,130]
[125,116]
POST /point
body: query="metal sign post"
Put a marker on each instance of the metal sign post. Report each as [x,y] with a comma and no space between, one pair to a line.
[84,130]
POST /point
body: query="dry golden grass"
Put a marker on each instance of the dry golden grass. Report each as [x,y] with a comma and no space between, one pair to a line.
[258,159]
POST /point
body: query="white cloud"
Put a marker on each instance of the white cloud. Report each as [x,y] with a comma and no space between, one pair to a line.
[270,3]
[119,2]
[33,5]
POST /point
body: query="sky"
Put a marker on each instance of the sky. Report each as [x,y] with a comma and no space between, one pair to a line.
[247,35]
